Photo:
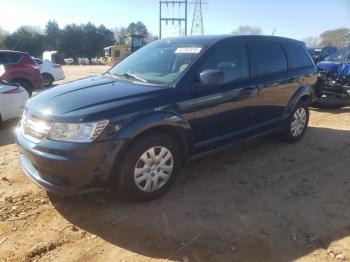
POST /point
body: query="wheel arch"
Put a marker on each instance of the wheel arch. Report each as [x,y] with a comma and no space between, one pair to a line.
[303,93]
[166,123]
[159,122]
[22,80]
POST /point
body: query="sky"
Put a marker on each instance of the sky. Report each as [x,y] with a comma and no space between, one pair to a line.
[294,18]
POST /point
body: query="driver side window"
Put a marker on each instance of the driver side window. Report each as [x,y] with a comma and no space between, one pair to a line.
[231,58]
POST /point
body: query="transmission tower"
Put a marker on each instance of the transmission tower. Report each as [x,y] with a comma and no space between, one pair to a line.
[179,19]
[197,21]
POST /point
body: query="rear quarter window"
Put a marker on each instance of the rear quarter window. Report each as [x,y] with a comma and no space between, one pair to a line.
[9,58]
[267,58]
[297,56]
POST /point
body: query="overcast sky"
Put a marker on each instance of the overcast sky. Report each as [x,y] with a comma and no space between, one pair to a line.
[293,18]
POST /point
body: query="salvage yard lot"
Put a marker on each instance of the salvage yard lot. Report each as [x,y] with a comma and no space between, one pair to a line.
[262,200]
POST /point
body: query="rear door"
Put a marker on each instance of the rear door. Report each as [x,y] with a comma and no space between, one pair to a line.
[269,67]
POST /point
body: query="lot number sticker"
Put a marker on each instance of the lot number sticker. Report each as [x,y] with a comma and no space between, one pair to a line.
[188,50]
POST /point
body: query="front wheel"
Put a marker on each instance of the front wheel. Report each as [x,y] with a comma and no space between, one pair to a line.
[297,122]
[47,79]
[149,167]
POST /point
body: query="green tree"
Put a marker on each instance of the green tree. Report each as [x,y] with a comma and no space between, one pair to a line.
[106,38]
[53,36]
[72,40]
[137,28]
[26,38]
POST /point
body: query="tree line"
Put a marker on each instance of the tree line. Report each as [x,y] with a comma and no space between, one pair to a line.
[339,37]
[83,40]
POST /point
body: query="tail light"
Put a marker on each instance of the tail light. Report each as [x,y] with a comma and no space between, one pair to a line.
[56,66]
[14,90]
[2,70]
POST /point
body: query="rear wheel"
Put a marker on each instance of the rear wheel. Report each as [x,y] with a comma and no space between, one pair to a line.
[48,80]
[297,122]
[149,167]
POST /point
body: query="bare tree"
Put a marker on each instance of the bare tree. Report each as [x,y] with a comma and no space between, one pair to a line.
[119,33]
[312,41]
[247,30]
[335,37]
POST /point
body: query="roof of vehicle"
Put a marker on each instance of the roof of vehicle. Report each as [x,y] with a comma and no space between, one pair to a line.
[12,51]
[207,39]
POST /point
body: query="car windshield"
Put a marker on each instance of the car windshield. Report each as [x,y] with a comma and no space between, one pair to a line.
[341,55]
[160,62]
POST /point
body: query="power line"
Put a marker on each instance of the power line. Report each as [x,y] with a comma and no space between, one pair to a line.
[197,21]
[180,19]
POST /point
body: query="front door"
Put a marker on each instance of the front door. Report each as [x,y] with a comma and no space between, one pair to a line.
[222,113]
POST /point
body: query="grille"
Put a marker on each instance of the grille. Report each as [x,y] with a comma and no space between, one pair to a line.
[34,129]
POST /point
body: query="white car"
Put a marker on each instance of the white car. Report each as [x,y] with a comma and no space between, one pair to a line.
[13,98]
[50,71]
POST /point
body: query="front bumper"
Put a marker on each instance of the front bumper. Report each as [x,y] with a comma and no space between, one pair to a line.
[66,168]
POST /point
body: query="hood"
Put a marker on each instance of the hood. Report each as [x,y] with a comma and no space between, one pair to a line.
[86,99]
[340,68]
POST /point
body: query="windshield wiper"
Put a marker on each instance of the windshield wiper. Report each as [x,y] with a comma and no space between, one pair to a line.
[129,75]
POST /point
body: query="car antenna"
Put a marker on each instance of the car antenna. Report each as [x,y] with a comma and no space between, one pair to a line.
[273,32]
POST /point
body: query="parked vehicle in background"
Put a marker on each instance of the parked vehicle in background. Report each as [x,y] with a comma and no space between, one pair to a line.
[320,53]
[69,61]
[170,102]
[333,86]
[50,71]
[127,45]
[19,67]
[83,61]
[97,60]
[49,55]
[12,100]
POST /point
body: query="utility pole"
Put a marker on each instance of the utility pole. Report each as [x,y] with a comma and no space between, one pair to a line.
[181,18]
[197,21]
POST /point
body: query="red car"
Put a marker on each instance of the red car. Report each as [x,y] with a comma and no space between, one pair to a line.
[19,67]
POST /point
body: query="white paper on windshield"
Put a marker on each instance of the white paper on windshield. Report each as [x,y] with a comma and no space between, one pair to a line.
[188,50]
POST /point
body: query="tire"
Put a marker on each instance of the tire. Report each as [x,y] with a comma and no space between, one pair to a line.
[47,79]
[134,158]
[297,122]
[27,86]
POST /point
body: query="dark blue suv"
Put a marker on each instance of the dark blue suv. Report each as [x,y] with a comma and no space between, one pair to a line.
[170,102]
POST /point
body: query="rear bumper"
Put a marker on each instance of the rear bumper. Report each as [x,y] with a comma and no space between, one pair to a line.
[58,75]
[66,168]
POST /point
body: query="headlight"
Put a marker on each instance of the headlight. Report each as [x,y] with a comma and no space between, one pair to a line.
[2,70]
[79,132]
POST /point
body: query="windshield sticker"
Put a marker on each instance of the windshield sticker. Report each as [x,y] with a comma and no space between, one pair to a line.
[188,50]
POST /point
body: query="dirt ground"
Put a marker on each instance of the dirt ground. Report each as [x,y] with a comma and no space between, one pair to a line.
[262,200]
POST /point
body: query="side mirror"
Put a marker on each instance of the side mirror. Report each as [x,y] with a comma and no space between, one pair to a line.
[211,77]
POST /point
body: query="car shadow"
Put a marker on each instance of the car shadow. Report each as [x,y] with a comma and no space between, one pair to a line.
[262,200]
[7,135]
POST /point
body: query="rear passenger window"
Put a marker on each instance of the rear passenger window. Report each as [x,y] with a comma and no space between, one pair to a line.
[231,58]
[297,55]
[268,57]
[9,58]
